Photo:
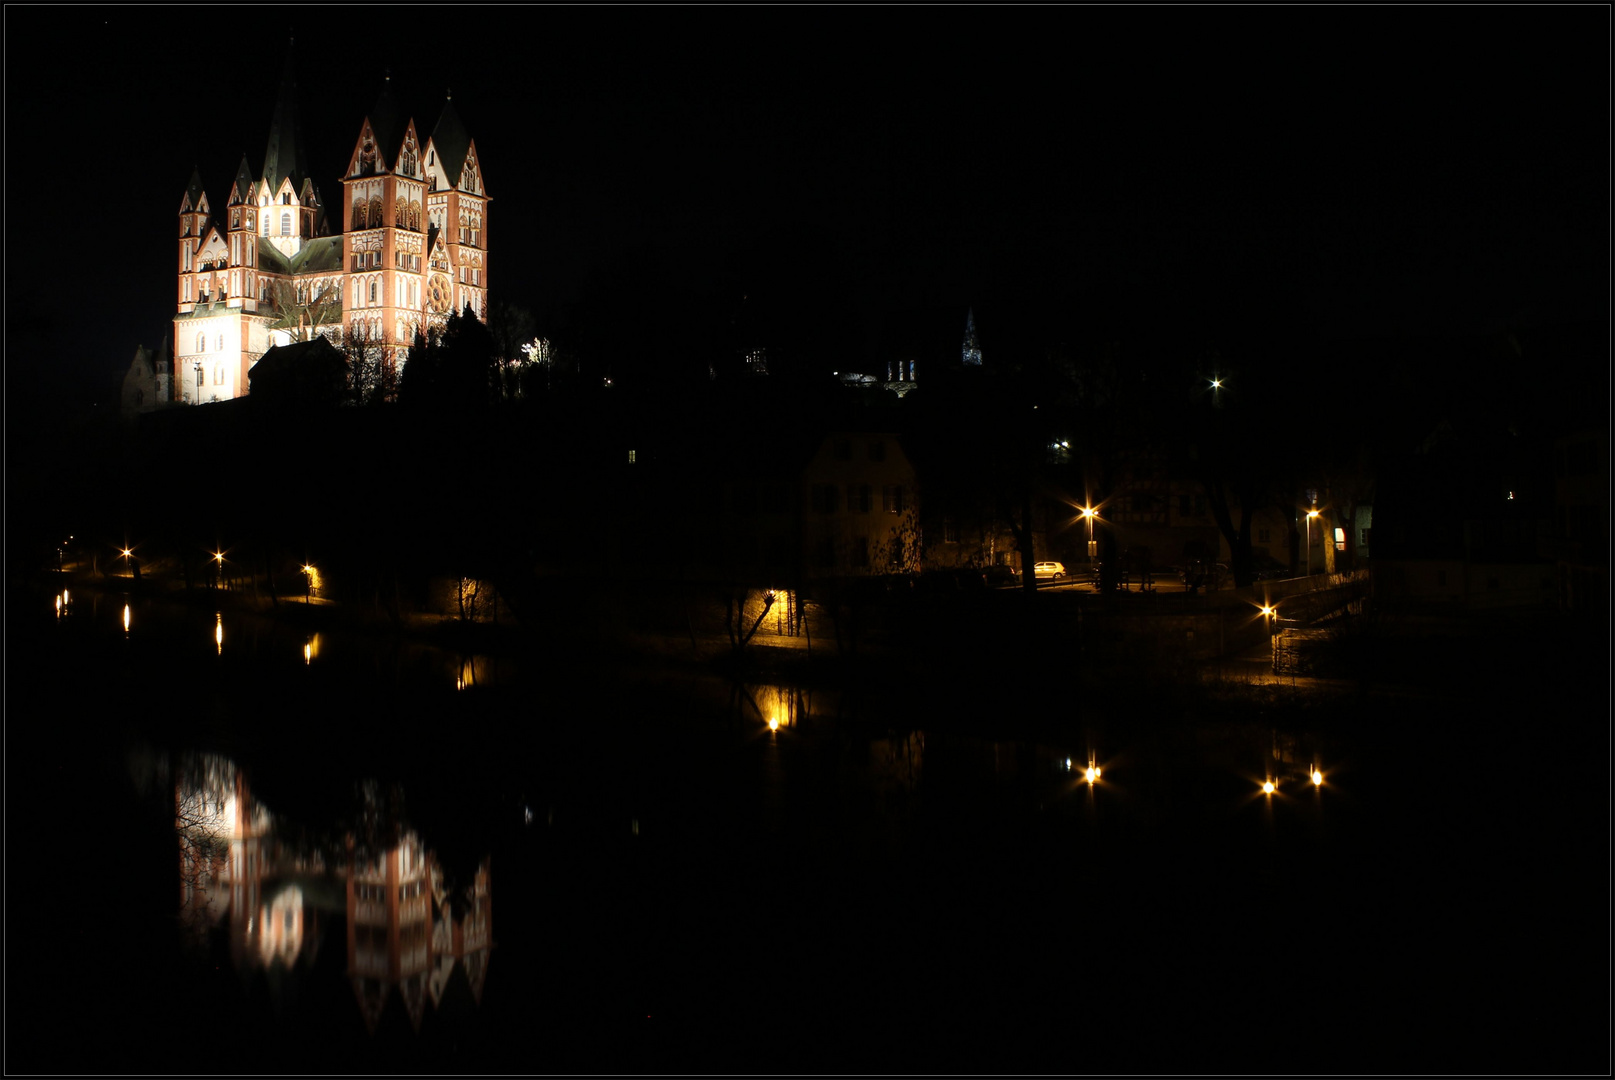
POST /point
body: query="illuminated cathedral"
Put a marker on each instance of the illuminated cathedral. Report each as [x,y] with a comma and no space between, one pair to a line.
[406,247]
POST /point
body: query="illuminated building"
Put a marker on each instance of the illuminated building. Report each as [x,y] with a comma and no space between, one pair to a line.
[406,246]
[972,350]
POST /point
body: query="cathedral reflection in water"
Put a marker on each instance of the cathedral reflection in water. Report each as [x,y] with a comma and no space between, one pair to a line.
[408,927]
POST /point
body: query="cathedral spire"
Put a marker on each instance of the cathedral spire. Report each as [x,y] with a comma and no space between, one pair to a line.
[284,156]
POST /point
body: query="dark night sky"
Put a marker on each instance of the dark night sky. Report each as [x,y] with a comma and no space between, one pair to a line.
[1381,170]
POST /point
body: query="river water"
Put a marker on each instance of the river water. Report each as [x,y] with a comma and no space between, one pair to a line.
[243,844]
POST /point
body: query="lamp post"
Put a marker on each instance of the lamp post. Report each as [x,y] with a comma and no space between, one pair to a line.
[1310,515]
[308,583]
[1089,513]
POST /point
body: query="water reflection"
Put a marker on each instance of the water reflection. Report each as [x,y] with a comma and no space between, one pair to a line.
[408,927]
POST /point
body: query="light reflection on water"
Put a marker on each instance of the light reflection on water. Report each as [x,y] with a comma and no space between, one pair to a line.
[408,928]
[799,770]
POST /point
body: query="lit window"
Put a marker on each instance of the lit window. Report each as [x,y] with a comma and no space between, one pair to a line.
[286,223]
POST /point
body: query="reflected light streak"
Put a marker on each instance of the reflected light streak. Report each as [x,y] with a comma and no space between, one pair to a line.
[307,653]
[218,631]
[126,618]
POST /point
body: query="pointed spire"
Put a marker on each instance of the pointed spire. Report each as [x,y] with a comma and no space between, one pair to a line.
[284,156]
[385,127]
[972,350]
[452,142]
[242,187]
[193,193]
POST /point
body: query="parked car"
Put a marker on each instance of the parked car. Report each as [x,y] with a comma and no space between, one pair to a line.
[1049,570]
[1001,576]
[1268,568]
[934,582]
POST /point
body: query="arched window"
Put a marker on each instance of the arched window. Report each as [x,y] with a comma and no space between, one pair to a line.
[201,343]
[372,291]
[221,342]
[218,374]
[285,223]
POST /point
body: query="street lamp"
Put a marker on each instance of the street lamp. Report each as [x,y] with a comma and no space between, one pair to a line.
[308,583]
[1090,513]
[1310,515]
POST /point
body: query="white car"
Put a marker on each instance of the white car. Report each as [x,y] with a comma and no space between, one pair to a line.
[1053,570]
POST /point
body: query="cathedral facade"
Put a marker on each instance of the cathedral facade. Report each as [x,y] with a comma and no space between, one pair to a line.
[406,247]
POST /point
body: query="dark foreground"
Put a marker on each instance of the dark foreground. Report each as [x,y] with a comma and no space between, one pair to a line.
[896,881]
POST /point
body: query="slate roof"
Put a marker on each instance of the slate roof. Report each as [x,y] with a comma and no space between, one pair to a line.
[320,255]
[452,141]
[388,126]
[270,260]
[284,155]
[193,192]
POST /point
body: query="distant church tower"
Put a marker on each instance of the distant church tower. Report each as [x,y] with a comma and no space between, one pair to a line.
[409,248]
[972,351]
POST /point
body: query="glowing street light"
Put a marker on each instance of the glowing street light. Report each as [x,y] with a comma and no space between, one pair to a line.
[1216,384]
[1310,515]
[1093,772]
[308,583]
[1267,786]
[1317,777]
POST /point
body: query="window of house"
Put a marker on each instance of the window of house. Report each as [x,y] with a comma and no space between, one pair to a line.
[892,498]
[221,342]
[1362,535]
[823,498]
[372,292]
[201,343]
[286,223]
[1340,539]
[877,450]
[1262,536]
[858,500]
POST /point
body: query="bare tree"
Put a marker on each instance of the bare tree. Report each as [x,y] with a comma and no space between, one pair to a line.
[305,310]
[372,376]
